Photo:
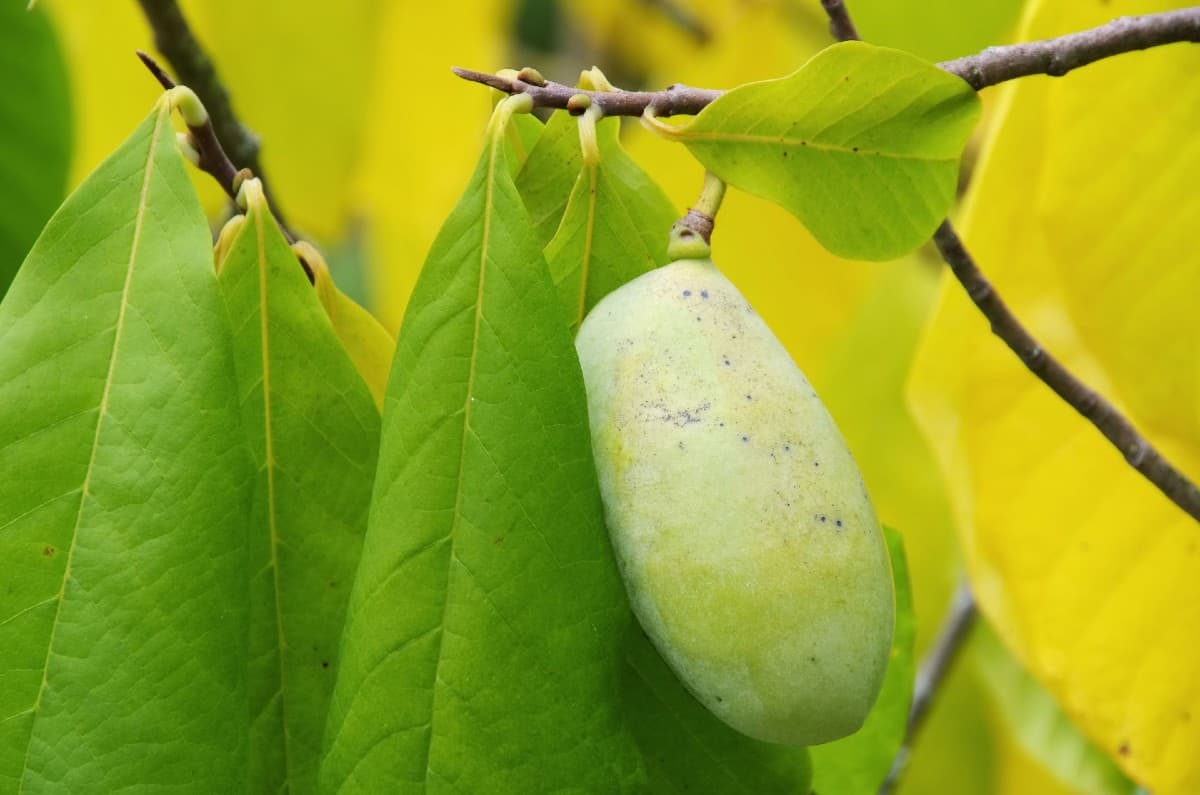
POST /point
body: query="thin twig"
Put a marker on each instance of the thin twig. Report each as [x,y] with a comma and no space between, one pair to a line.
[1137,450]
[173,37]
[956,627]
[1056,57]
[674,100]
[213,158]
[841,26]
[994,65]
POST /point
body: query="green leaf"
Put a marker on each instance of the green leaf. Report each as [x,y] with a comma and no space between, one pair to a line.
[614,228]
[686,748]
[35,131]
[313,430]
[858,764]
[546,179]
[1041,727]
[861,144]
[122,513]
[482,643]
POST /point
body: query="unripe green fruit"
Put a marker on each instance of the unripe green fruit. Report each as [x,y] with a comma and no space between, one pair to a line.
[748,545]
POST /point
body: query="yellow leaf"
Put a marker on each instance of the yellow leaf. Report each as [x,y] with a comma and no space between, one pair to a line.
[423,119]
[1082,214]
[367,342]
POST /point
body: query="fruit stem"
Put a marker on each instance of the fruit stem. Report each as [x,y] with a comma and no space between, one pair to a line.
[711,196]
[691,235]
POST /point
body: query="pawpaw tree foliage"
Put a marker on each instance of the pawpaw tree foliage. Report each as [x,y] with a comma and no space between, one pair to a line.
[321,515]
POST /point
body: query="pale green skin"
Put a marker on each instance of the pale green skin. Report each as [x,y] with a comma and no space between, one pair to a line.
[775,616]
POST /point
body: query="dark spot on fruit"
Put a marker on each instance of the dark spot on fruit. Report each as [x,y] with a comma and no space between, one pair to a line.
[726,362]
[697,318]
[787,448]
[745,438]
[721,424]
[749,398]
[681,445]
[822,517]
[49,552]
[838,522]
[687,293]
[704,293]
[816,463]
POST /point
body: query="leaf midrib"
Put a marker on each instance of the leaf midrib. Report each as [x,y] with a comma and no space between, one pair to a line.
[102,409]
[802,143]
[269,455]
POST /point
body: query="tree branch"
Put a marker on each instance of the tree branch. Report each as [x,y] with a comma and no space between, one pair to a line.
[173,37]
[841,26]
[956,627]
[674,100]
[1068,52]
[213,158]
[1056,57]
[994,65]
[1137,450]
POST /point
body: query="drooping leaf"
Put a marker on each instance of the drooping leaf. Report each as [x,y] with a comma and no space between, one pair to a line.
[685,747]
[858,764]
[861,144]
[483,635]
[614,228]
[1089,570]
[1040,727]
[35,131]
[313,432]
[370,347]
[122,510]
